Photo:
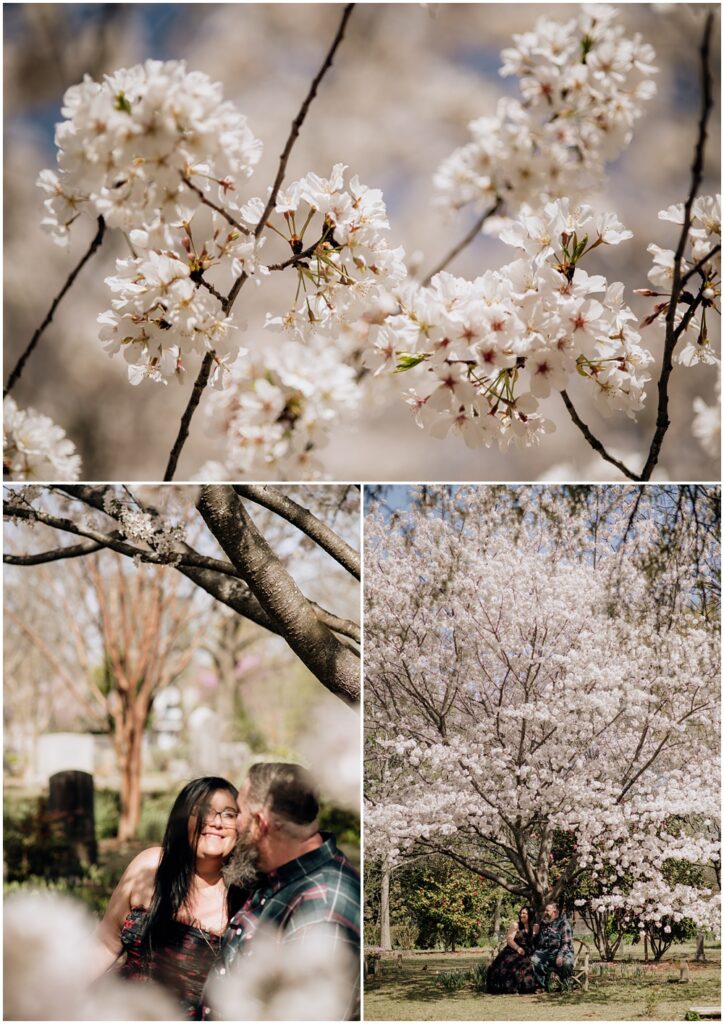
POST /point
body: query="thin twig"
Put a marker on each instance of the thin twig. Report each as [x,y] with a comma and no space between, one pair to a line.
[303,255]
[293,134]
[299,120]
[183,430]
[20,365]
[465,242]
[219,209]
[701,264]
[671,338]
[209,288]
[593,440]
[228,302]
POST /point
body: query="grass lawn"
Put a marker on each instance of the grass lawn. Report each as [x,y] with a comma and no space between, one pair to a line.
[626,990]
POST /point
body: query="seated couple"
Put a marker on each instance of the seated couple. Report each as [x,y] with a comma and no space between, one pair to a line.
[232,863]
[531,952]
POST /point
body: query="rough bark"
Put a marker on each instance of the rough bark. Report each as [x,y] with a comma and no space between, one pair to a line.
[335,665]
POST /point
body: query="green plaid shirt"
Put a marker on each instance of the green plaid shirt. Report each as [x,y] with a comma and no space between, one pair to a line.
[319,889]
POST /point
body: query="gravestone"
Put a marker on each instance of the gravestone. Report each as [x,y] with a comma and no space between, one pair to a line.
[204,729]
[70,810]
[60,751]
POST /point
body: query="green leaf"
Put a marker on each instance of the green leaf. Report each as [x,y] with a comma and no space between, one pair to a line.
[121,103]
[406,361]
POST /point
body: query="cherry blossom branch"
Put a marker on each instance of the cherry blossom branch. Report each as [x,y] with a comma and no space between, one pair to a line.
[671,338]
[219,209]
[593,440]
[20,365]
[183,430]
[700,265]
[228,302]
[465,242]
[55,554]
[299,120]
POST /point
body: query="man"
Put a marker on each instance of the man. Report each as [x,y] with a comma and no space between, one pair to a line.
[301,886]
[555,946]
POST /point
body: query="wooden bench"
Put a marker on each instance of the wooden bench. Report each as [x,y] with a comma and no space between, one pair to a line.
[579,977]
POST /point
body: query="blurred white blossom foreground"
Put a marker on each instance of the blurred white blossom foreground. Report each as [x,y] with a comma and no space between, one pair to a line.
[50,971]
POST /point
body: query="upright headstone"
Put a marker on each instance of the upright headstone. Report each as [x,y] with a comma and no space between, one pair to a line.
[70,808]
[700,957]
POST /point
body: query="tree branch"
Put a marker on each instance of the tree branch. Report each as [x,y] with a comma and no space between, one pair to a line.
[670,339]
[228,302]
[304,520]
[20,365]
[332,663]
[465,242]
[54,555]
[194,399]
[219,209]
[593,440]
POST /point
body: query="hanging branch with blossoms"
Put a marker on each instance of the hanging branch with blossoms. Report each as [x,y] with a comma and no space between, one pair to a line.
[492,348]
[157,153]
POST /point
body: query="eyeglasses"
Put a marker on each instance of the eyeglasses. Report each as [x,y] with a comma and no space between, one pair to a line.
[228,818]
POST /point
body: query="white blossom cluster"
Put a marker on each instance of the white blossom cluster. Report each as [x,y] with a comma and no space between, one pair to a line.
[493,347]
[143,149]
[35,448]
[582,84]
[130,140]
[285,396]
[704,235]
[280,405]
[351,261]
[162,535]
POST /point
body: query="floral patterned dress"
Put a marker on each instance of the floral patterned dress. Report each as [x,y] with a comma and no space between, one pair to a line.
[181,966]
[510,973]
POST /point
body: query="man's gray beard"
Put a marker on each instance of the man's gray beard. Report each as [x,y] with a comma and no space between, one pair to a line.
[241,869]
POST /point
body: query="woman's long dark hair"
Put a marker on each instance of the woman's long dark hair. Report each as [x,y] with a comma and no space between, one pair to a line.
[178,859]
[531,920]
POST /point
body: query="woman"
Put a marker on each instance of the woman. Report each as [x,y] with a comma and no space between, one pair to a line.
[171,907]
[512,972]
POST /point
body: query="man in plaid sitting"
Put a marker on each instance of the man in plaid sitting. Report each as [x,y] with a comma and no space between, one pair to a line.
[555,946]
[301,885]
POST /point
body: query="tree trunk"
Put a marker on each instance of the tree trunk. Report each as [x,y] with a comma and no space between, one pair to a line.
[129,764]
[496,918]
[385,931]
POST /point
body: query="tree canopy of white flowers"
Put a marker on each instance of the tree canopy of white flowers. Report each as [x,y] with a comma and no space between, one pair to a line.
[156,152]
[542,691]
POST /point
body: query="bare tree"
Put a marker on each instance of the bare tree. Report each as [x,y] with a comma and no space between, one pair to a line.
[128,633]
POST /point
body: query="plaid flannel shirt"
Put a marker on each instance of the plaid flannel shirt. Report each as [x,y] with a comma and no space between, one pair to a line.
[318,889]
[556,935]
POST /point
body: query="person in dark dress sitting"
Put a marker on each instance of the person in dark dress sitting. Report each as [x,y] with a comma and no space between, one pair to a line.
[171,907]
[511,973]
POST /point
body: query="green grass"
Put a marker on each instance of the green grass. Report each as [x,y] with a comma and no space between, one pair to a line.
[629,990]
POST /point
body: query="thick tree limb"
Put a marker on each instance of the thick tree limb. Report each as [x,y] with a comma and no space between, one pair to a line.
[305,521]
[332,663]
[20,365]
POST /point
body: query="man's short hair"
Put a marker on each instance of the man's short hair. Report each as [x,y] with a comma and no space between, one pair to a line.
[552,903]
[287,791]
